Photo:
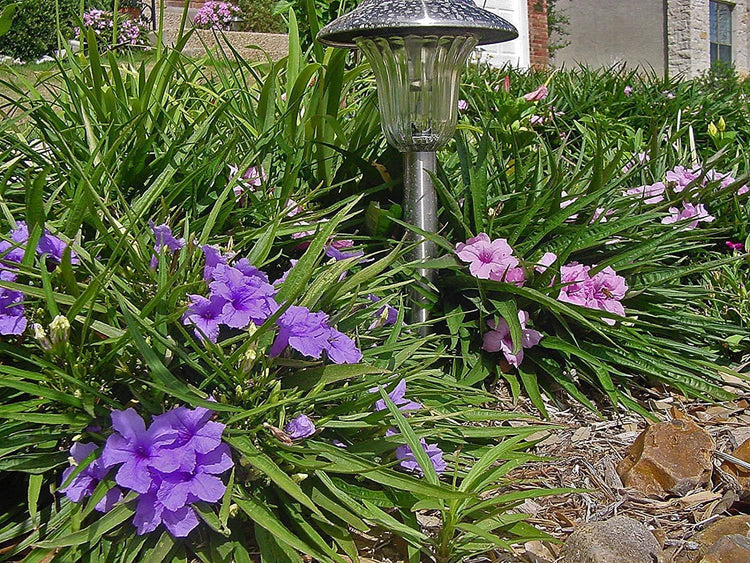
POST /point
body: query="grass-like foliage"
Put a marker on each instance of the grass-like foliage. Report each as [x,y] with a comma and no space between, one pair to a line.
[206,350]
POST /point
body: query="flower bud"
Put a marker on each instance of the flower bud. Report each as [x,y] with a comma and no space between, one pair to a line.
[41,337]
[721,125]
[712,130]
[299,477]
[59,330]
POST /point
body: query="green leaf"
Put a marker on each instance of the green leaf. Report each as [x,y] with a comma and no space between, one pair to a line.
[6,18]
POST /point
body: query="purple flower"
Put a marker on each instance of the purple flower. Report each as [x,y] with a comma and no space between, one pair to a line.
[628,91]
[386,315]
[48,244]
[463,105]
[197,483]
[247,298]
[196,432]
[303,331]
[490,259]
[12,319]
[535,120]
[282,279]
[651,194]
[206,315]
[139,450]
[604,291]
[300,428]
[409,462]
[250,271]
[150,513]
[213,257]
[498,339]
[698,213]
[333,252]
[164,238]
[341,349]
[83,484]
[397,396]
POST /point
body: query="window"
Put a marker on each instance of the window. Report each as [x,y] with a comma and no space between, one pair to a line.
[720,21]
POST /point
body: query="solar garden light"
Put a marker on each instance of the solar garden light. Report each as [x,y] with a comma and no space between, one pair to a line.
[417,50]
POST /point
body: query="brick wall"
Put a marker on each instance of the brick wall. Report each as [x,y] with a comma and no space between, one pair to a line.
[538,33]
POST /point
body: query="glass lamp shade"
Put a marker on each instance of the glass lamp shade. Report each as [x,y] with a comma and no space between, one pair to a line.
[418,82]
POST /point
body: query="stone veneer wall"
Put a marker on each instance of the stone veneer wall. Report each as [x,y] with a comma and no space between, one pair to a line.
[689,51]
[538,33]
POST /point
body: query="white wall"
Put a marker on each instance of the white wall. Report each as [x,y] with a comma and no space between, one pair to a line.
[514,52]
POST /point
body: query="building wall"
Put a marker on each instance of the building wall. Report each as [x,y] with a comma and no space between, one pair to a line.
[538,33]
[671,35]
[607,32]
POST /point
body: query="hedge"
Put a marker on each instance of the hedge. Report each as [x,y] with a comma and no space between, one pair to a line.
[33,32]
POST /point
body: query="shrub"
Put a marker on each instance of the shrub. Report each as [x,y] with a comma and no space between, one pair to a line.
[34,32]
[259,16]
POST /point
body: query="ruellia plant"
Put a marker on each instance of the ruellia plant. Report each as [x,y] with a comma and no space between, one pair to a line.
[206,350]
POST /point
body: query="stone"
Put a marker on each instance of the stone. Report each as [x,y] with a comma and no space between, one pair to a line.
[740,473]
[734,525]
[668,458]
[729,549]
[612,541]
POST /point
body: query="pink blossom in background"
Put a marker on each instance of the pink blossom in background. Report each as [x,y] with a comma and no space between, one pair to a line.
[600,215]
[628,91]
[536,120]
[680,177]
[463,105]
[216,15]
[537,95]
[566,201]
[498,339]
[738,246]
[649,194]
[506,83]
[640,158]
[545,262]
[697,212]
[603,291]
[491,259]
[667,94]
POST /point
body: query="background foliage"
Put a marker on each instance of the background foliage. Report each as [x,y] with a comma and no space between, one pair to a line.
[33,32]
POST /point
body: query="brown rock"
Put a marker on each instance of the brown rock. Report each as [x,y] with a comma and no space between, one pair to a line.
[668,458]
[729,549]
[742,474]
[612,541]
[734,525]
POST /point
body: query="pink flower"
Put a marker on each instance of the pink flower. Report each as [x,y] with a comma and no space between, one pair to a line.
[681,177]
[545,262]
[536,120]
[566,201]
[738,246]
[506,83]
[491,259]
[628,90]
[697,212]
[641,157]
[463,105]
[649,194]
[603,291]
[537,95]
[498,339]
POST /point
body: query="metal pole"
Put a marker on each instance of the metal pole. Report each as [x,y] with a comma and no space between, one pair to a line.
[420,203]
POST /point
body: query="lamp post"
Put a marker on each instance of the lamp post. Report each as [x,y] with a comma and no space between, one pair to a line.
[417,50]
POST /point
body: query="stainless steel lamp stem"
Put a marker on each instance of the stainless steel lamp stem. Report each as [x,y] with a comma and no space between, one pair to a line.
[420,203]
